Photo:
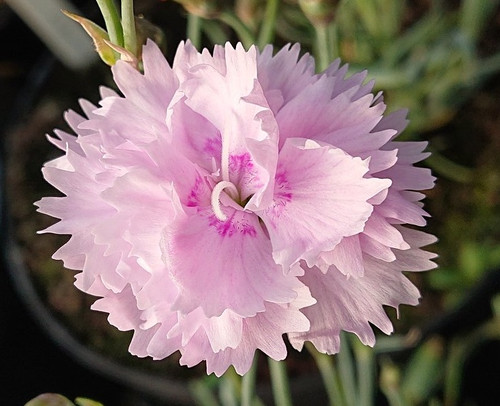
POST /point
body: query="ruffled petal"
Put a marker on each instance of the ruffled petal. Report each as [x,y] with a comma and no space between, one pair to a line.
[351,304]
[320,197]
[284,75]
[263,331]
[152,91]
[236,270]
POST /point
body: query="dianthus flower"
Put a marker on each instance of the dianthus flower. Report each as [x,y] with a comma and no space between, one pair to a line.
[235,197]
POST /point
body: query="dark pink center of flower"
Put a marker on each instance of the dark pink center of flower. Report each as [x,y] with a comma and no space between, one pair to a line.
[234,169]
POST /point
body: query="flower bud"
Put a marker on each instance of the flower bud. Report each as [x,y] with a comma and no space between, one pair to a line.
[99,36]
[110,52]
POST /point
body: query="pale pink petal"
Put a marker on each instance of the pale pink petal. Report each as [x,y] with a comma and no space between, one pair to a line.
[224,331]
[284,75]
[263,331]
[152,91]
[395,121]
[320,197]
[397,207]
[236,271]
[347,257]
[351,304]
[379,229]
[122,309]
[200,141]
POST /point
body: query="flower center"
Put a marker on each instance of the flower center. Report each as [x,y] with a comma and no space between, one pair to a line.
[225,183]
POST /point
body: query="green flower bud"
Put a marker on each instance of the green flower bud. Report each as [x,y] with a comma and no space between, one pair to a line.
[99,36]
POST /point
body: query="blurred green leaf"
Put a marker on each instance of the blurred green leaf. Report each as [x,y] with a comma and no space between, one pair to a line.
[424,371]
[475,15]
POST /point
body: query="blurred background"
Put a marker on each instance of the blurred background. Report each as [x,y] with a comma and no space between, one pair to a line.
[439,59]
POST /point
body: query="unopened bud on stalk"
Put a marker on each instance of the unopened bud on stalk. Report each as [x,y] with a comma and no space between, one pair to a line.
[99,36]
[111,52]
[318,12]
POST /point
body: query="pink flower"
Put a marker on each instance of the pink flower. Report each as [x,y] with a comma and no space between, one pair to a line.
[233,198]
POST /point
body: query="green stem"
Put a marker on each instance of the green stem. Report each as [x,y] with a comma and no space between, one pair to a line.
[228,388]
[365,366]
[128,24]
[214,31]
[323,49]
[279,380]
[243,32]
[333,41]
[453,372]
[112,21]
[266,34]
[346,369]
[329,375]
[248,384]
[390,383]
[194,30]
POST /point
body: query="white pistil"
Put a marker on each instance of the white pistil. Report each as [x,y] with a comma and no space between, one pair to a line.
[215,200]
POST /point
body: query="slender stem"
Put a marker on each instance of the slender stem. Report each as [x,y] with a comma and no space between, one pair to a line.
[329,375]
[248,384]
[390,383]
[194,29]
[333,41]
[214,31]
[365,364]
[128,24]
[266,34]
[243,32]
[228,388]
[323,50]
[112,21]
[279,380]
[346,369]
